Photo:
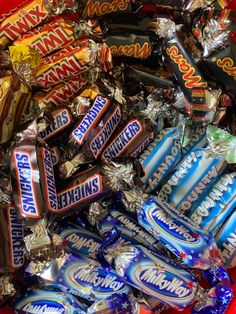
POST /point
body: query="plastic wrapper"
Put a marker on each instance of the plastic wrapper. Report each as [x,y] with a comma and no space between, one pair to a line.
[13,103]
[46,301]
[163,279]
[225,239]
[80,276]
[160,157]
[213,158]
[31,14]
[219,203]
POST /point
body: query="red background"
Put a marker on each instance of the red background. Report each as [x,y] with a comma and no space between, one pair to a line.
[5,7]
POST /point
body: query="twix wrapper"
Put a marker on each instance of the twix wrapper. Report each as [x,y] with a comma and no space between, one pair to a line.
[73,63]
[31,14]
[61,93]
[48,38]
[14,97]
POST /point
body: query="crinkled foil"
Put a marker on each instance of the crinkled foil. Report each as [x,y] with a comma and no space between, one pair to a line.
[97,211]
[6,287]
[56,7]
[120,176]
[133,200]
[41,245]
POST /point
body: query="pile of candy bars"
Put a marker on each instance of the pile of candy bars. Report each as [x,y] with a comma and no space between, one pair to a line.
[117,156]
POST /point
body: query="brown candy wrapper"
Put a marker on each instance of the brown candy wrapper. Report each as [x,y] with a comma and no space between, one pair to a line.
[12,235]
[32,177]
[93,184]
[14,97]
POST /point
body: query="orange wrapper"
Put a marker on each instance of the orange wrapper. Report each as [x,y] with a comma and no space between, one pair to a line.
[72,62]
[48,38]
[24,19]
[31,14]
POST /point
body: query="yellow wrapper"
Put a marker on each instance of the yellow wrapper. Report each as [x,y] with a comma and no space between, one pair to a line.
[25,60]
[48,38]
[24,19]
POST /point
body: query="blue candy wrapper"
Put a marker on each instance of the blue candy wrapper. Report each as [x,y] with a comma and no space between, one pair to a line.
[79,276]
[154,275]
[130,231]
[177,234]
[193,179]
[198,139]
[226,241]
[118,303]
[160,157]
[217,204]
[45,301]
[79,240]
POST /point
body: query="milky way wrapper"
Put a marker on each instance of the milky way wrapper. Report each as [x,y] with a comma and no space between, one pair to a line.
[33,180]
[154,275]
[81,277]
[31,14]
[46,301]
[14,97]
[79,241]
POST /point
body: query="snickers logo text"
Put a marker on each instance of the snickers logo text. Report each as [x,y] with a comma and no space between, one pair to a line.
[122,140]
[191,80]
[16,236]
[50,181]
[103,136]
[91,119]
[62,119]
[79,193]
[25,183]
